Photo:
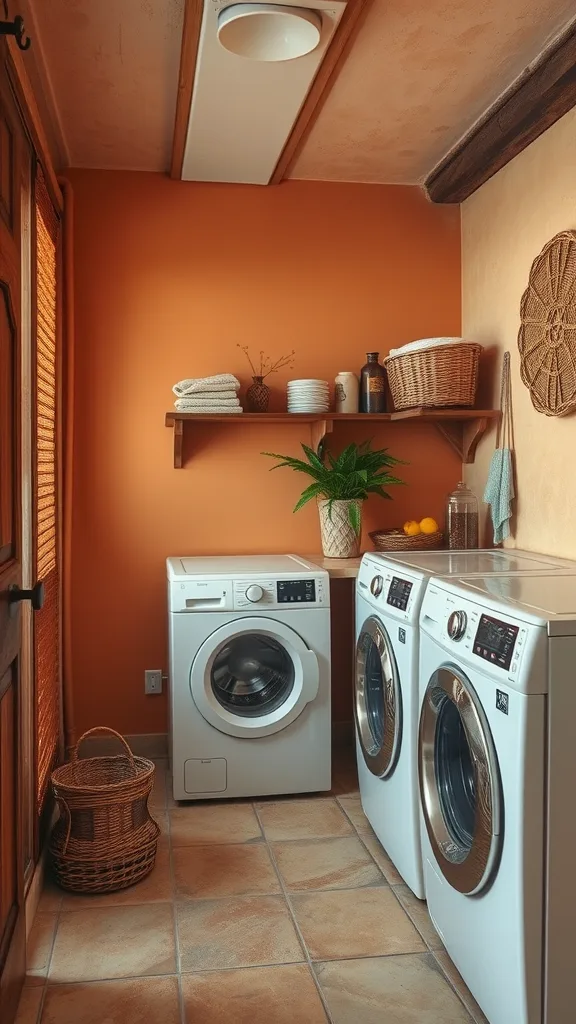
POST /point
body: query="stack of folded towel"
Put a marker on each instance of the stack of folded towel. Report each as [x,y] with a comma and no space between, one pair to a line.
[208,394]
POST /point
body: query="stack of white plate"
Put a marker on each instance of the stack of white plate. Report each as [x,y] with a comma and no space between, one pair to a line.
[308,396]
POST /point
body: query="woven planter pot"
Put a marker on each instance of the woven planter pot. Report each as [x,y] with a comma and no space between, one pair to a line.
[339,539]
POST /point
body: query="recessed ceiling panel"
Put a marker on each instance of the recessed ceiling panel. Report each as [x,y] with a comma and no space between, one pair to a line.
[243,110]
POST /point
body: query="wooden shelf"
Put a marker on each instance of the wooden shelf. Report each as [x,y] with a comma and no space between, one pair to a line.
[461,428]
[337,568]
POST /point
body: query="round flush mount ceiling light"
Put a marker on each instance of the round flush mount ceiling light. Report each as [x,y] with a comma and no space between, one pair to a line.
[269,32]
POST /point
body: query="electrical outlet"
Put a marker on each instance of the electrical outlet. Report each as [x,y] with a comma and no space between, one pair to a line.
[153,680]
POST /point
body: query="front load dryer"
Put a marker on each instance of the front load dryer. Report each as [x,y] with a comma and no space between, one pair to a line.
[389,594]
[497,764]
[249,653]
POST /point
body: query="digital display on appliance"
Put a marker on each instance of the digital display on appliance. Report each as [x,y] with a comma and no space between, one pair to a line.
[398,593]
[494,641]
[296,591]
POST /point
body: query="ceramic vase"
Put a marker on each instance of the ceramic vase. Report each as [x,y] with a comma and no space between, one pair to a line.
[257,396]
[339,538]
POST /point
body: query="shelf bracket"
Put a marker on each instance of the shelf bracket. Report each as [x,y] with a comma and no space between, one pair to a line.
[463,437]
[178,426]
[318,431]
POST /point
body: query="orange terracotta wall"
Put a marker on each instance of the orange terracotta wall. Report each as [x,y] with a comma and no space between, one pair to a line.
[169,278]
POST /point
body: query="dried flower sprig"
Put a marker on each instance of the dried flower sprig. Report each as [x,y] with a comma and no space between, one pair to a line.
[266,365]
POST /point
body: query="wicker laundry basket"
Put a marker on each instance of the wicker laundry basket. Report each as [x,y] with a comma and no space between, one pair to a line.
[104,838]
[434,377]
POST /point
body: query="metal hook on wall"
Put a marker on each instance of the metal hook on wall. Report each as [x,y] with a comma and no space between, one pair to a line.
[16,28]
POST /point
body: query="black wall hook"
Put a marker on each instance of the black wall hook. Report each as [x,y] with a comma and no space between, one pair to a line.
[15,28]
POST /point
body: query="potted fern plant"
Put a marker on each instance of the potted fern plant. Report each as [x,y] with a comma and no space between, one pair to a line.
[340,486]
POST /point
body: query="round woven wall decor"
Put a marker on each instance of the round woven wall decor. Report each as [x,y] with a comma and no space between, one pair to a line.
[547,336]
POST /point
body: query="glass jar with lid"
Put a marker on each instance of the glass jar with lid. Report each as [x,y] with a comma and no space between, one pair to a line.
[462,518]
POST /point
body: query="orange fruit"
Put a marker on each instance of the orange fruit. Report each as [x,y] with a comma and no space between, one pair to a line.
[411,528]
[429,525]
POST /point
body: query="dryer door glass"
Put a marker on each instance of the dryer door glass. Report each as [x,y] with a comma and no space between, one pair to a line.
[252,675]
[378,705]
[459,782]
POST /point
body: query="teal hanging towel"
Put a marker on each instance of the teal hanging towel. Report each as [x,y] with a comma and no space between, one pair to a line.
[499,492]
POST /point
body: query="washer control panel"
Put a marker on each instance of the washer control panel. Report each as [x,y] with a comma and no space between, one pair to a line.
[399,593]
[495,641]
[291,593]
[296,591]
[484,638]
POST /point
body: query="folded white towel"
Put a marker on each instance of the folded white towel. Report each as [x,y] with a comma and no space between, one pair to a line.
[219,382]
[185,405]
[423,343]
[211,398]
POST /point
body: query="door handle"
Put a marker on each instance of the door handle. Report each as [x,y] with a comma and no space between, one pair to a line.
[35,595]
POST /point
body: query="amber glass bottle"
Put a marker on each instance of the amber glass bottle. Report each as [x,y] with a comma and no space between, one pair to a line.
[372,385]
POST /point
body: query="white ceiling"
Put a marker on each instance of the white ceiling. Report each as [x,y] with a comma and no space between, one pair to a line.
[419,74]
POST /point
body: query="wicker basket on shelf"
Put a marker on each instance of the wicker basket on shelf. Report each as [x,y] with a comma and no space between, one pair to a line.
[104,839]
[446,375]
[396,540]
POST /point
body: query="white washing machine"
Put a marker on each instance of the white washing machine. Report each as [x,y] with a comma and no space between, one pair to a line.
[389,594]
[249,657]
[497,767]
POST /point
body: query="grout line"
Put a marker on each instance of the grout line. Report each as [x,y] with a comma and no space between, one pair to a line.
[49,962]
[176,932]
[99,981]
[167,796]
[294,920]
[448,980]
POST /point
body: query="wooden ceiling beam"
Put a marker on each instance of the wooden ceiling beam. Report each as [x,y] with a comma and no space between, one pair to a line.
[327,73]
[533,105]
[193,11]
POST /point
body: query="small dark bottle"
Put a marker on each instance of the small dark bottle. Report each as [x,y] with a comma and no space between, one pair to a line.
[372,385]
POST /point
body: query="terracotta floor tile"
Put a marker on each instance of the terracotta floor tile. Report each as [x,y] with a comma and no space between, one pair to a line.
[261,995]
[326,864]
[391,989]
[418,913]
[114,942]
[51,897]
[354,922]
[153,1000]
[39,947]
[155,888]
[205,824]
[457,981]
[29,1006]
[353,808]
[375,848]
[316,818]
[248,931]
[210,872]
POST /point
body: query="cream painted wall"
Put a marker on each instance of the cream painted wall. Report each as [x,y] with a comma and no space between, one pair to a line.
[504,226]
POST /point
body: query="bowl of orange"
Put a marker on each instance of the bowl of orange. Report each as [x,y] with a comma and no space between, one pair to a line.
[415,535]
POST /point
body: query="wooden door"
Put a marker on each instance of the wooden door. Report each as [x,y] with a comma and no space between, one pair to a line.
[14,153]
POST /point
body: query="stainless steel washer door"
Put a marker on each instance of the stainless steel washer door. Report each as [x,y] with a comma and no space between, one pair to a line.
[378,699]
[460,788]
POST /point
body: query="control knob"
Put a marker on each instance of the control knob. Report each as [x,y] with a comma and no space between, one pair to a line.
[457,625]
[376,586]
[254,593]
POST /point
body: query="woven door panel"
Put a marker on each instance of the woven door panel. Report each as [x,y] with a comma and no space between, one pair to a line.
[47,555]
